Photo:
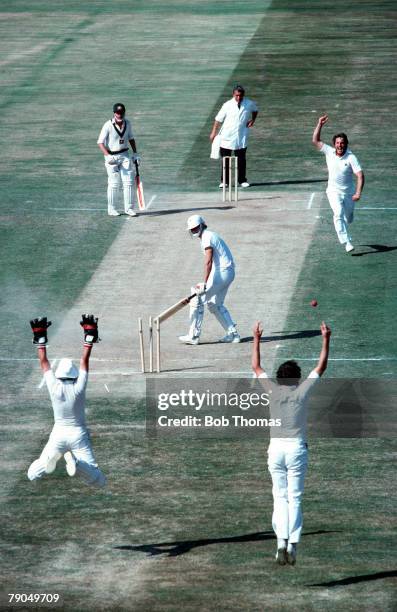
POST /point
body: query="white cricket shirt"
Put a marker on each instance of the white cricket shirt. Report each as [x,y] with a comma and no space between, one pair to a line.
[115,138]
[289,404]
[67,398]
[222,258]
[340,169]
[234,132]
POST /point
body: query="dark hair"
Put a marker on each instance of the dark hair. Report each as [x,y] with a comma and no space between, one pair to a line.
[341,135]
[239,88]
[288,373]
[119,106]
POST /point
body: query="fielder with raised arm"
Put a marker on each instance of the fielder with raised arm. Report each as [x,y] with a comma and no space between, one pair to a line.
[218,275]
[69,436]
[287,455]
[114,139]
[342,195]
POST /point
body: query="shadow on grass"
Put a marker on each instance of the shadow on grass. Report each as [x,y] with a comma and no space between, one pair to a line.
[174,211]
[174,549]
[355,579]
[297,182]
[376,248]
[187,368]
[292,335]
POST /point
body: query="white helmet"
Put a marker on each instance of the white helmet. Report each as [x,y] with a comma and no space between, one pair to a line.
[66,369]
[196,221]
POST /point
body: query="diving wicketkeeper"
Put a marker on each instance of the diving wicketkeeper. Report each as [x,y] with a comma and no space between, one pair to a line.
[70,436]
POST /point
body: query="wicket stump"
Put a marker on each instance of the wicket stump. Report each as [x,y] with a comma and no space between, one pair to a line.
[163,316]
[227,163]
[154,330]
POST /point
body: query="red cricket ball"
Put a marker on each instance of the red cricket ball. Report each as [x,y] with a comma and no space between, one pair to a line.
[314,303]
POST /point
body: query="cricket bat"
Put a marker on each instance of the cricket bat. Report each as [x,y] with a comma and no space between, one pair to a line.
[163,316]
[139,188]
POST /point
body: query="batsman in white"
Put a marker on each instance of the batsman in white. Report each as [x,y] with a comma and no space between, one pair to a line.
[70,436]
[114,138]
[288,451]
[218,275]
[342,195]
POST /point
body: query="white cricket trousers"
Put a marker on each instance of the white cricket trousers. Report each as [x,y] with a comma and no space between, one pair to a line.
[65,438]
[343,208]
[218,285]
[287,463]
[120,175]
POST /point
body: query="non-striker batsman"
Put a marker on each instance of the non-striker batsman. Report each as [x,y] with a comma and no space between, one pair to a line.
[114,140]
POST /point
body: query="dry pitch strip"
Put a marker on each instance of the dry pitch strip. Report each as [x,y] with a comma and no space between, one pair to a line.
[230,169]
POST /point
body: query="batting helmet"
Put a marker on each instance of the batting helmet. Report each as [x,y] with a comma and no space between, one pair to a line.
[195,221]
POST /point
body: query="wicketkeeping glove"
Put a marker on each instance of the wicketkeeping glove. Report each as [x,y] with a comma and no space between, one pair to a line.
[39,327]
[90,326]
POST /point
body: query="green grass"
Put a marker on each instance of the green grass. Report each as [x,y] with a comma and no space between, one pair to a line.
[356,296]
[188,526]
[210,500]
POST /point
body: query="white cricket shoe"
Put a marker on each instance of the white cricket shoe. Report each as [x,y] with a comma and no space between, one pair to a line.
[70,463]
[231,337]
[291,554]
[112,212]
[281,554]
[221,185]
[188,339]
[130,212]
[244,185]
[349,247]
[51,463]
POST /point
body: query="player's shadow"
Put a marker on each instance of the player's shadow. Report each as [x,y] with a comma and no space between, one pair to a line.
[296,182]
[375,248]
[174,549]
[292,335]
[175,211]
[188,368]
[355,579]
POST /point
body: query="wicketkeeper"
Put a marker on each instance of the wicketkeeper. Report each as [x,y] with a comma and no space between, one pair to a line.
[69,436]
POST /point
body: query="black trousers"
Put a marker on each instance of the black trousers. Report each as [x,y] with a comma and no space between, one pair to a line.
[242,164]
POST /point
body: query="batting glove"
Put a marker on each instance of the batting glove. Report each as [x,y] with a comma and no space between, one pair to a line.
[110,160]
[201,288]
[136,158]
[90,326]
[39,328]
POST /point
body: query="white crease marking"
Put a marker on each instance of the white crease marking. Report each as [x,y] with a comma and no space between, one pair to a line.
[311,200]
